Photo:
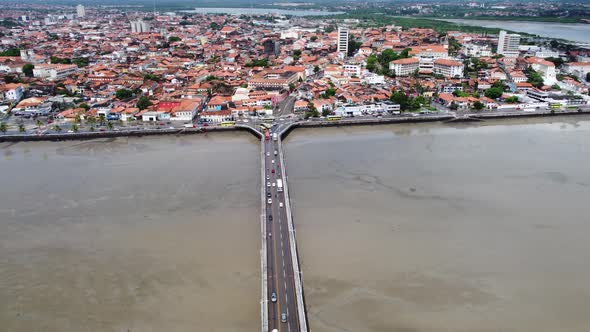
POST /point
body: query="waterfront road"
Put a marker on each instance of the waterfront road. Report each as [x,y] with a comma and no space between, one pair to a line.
[279,266]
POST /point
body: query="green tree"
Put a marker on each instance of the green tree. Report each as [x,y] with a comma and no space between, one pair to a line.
[173,39]
[214,26]
[110,125]
[512,100]
[21,128]
[84,106]
[258,63]
[28,69]
[556,61]
[39,123]
[143,102]
[329,28]
[296,54]
[494,93]
[313,38]
[400,98]
[3,127]
[75,128]
[123,94]
[291,87]
[57,128]
[58,60]
[316,69]
[453,106]
[478,105]
[534,78]
[91,120]
[80,62]
[11,52]
[326,112]
[152,77]
[372,63]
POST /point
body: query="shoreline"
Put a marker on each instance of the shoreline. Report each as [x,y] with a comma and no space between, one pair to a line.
[474,117]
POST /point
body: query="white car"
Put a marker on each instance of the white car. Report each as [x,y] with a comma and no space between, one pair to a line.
[281,204]
[268,154]
[273,161]
[274,184]
[268,184]
[269,201]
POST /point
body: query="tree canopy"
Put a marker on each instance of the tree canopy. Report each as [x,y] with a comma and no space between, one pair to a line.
[123,93]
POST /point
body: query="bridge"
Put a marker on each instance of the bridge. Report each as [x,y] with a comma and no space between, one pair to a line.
[282,306]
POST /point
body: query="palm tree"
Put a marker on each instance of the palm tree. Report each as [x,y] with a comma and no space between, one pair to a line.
[120,122]
[39,123]
[110,125]
[3,127]
[91,128]
[75,128]
[57,128]
[91,120]
[21,128]
[78,119]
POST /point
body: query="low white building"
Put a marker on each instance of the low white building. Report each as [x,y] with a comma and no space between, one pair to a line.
[477,50]
[372,78]
[54,71]
[545,68]
[448,68]
[426,55]
[404,67]
[352,70]
[13,92]
[579,69]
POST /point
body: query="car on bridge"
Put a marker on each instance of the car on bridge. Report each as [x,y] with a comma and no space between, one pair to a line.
[273,297]
[269,201]
[283,317]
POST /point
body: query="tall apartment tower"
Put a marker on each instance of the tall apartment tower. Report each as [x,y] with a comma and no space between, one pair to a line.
[343,40]
[139,26]
[80,11]
[508,44]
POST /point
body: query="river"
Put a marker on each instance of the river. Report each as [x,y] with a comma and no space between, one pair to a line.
[438,228]
[410,227]
[261,11]
[138,234]
[577,32]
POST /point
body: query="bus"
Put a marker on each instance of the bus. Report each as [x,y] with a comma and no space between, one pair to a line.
[279,185]
[228,123]
[334,117]
[555,105]
[268,119]
[267,135]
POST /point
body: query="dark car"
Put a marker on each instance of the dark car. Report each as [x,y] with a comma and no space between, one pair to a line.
[270,217]
[269,195]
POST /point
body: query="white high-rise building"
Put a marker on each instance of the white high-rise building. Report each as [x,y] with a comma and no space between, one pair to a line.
[80,11]
[140,26]
[508,44]
[343,40]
